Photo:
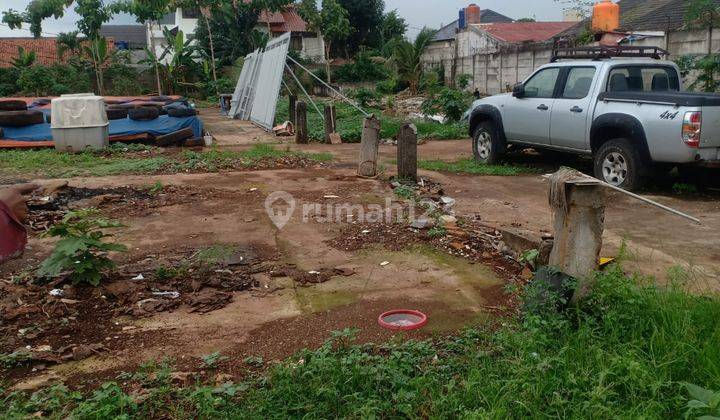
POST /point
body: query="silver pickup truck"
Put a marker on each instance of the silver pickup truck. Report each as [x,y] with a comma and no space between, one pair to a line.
[631,115]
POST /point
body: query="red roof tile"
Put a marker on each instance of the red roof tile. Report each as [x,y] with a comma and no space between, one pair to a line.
[288,20]
[45,50]
[525,31]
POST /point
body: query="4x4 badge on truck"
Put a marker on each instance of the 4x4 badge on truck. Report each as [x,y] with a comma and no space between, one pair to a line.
[668,116]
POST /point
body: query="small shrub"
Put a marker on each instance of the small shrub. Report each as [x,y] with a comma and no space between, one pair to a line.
[363,96]
[81,250]
[211,360]
[463,81]
[364,69]
[437,232]
[37,80]
[450,102]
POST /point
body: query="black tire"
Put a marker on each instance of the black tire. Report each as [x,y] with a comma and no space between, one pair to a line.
[488,148]
[194,142]
[175,137]
[619,163]
[181,112]
[13,105]
[2,133]
[116,114]
[21,118]
[144,114]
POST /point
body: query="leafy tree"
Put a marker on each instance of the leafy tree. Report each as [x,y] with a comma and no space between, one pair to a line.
[582,7]
[331,22]
[407,58]
[392,31]
[527,19]
[231,26]
[147,12]
[365,17]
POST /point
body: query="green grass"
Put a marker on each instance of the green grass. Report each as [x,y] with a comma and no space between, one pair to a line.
[350,121]
[49,163]
[470,166]
[625,352]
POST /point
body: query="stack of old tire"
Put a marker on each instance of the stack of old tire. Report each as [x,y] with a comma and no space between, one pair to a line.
[153,109]
[15,113]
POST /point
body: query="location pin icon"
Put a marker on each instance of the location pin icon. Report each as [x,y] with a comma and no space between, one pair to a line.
[280,217]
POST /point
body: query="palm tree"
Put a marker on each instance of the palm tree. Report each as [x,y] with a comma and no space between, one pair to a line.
[408,58]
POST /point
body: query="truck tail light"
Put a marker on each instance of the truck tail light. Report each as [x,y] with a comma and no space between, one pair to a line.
[691,128]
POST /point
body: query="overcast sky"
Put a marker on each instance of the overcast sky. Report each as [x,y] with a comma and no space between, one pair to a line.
[417,13]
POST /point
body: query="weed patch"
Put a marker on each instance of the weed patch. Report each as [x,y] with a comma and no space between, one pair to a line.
[628,351]
[470,166]
[140,160]
[350,121]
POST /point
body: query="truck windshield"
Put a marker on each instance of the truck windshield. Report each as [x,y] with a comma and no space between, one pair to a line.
[643,79]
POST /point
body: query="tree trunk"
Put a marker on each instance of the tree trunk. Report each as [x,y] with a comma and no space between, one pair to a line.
[328,44]
[155,61]
[212,53]
[407,152]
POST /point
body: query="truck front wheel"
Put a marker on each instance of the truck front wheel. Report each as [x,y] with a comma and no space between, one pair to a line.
[619,164]
[487,146]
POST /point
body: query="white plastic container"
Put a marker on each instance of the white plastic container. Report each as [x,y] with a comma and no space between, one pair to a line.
[79,122]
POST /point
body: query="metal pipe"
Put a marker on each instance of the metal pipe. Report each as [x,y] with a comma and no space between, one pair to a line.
[305,92]
[351,102]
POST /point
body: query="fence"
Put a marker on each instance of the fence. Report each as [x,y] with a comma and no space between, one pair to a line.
[497,71]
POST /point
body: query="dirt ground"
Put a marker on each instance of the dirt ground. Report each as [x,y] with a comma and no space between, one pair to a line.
[656,241]
[207,270]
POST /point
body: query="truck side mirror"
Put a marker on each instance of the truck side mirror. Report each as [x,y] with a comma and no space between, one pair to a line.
[518,90]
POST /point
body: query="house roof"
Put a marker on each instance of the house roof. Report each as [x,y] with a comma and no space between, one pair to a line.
[517,32]
[447,33]
[287,20]
[643,15]
[134,35]
[45,50]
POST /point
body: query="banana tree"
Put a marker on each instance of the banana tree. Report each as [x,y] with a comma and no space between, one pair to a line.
[177,58]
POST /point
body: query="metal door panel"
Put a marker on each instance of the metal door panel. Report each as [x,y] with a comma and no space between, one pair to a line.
[270,74]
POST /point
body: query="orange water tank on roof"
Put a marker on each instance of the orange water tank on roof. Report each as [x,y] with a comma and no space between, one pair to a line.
[606,16]
[472,14]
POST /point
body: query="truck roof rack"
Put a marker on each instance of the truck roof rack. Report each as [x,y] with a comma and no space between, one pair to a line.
[604,53]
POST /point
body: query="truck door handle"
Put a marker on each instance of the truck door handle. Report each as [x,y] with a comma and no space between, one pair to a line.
[543,107]
[576,109]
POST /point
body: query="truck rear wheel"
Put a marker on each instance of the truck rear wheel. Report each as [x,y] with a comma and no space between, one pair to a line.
[487,146]
[619,164]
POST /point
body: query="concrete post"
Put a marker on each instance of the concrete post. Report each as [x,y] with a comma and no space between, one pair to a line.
[407,152]
[578,234]
[369,145]
[301,128]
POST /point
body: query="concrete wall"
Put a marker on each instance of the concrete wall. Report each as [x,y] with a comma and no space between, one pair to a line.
[495,68]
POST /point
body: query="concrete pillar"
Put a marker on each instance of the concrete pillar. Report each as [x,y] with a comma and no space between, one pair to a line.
[579,229]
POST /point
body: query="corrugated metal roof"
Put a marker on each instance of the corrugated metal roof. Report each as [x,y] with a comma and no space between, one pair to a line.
[517,32]
[447,33]
[644,15]
[135,35]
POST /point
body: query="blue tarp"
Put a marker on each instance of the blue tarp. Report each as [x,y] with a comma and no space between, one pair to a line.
[124,127]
